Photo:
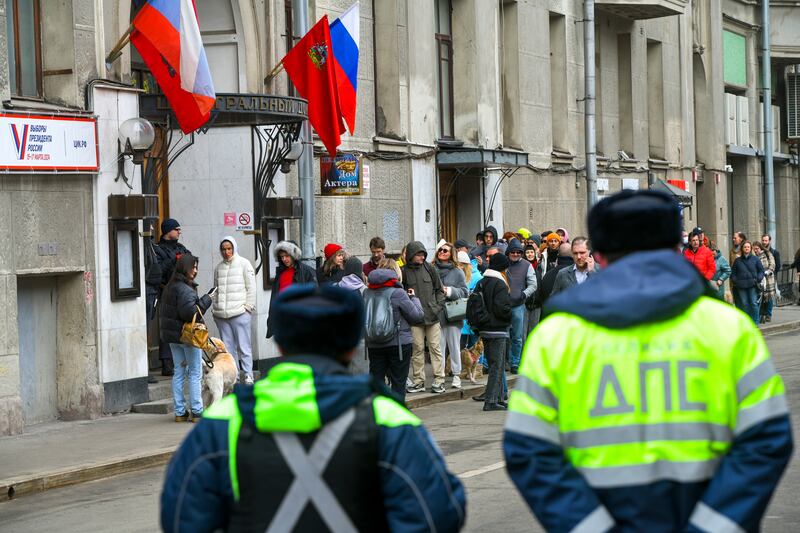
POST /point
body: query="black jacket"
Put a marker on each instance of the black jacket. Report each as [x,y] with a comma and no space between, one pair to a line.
[167,253]
[179,303]
[302,274]
[747,272]
[498,303]
[334,276]
[549,279]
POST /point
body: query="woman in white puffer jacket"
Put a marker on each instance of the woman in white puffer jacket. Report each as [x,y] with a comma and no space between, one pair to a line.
[234,303]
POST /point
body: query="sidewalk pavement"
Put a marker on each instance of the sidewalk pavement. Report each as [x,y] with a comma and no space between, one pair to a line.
[57,454]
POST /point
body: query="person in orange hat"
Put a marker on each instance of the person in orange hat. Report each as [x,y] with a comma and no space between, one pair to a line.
[332,270]
[550,254]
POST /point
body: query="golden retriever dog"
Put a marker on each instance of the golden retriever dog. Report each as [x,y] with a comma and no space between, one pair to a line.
[219,379]
[470,369]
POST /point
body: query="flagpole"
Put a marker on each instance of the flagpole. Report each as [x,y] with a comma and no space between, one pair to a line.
[305,166]
[274,72]
[115,52]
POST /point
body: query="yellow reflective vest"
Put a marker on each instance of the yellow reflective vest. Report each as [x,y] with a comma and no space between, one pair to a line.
[648,411]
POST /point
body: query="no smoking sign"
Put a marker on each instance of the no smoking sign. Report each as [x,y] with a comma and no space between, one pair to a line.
[245,221]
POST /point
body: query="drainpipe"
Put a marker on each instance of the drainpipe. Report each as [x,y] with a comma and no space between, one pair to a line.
[766,71]
[589,103]
[305,165]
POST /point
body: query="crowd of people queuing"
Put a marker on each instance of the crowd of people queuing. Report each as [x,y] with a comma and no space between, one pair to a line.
[416,304]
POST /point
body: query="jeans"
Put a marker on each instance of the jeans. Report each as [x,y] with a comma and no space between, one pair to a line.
[194,369]
[386,362]
[768,305]
[450,339]
[235,333]
[746,301]
[495,351]
[517,334]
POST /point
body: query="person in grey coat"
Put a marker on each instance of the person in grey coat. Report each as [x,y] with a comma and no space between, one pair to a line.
[523,285]
[392,359]
[580,271]
[454,286]
[179,305]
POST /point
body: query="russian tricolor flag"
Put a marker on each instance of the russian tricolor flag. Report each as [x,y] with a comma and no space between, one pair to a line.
[167,36]
[344,39]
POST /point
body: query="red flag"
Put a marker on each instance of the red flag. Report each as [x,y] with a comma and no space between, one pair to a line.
[310,66]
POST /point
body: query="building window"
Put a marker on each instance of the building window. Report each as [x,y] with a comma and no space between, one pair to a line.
[558,82]
[24,47]
[734,66]
[655,100]
[444,50]
[625,93]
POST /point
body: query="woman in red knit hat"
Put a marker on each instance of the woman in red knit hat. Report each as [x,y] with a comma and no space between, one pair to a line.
[332,270]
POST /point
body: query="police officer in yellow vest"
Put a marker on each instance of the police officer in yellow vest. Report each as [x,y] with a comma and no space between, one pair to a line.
[310,448]
[644,404]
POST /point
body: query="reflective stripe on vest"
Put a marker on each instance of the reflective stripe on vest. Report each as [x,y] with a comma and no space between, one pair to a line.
[308,484]
[658,401]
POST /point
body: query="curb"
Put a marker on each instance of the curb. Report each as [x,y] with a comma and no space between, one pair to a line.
[780,328]
[26,485]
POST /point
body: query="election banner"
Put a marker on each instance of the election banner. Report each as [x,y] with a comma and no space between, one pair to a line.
[31,143]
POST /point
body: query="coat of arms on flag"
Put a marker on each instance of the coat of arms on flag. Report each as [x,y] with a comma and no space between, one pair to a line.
[318,54]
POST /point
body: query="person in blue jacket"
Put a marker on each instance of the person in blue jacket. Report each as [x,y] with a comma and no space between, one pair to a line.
[310,447]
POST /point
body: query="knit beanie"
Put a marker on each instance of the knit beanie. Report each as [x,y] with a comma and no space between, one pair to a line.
[499,262]
[169,225]
[331,249]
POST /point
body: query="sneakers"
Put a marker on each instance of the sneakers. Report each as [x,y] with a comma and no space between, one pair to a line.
[495,407]
[196,417]
[416,388]
[456,382]
[248,380]
[437,388]
[182,418]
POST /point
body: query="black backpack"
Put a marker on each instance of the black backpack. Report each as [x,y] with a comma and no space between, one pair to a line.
[477,314]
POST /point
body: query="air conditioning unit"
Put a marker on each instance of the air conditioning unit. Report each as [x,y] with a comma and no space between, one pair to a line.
[793,102]
[742,121]
[730,119]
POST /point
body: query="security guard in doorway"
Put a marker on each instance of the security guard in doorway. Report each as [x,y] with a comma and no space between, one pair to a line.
[644,404]
[310,447]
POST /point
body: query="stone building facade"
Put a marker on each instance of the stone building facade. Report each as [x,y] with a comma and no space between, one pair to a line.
[470,113]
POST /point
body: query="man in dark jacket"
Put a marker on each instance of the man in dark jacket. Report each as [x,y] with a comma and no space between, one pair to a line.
[643,403]
[422,280]
[289,271]
[168,251]
[309,447]
[377,250]
[392,358]
[494,333]
[564,260]
[522,280]
[489,241]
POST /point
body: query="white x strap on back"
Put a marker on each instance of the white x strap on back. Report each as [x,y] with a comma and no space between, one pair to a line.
[308,483]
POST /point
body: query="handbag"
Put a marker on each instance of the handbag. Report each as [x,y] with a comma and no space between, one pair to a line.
[194,333]
[455,310]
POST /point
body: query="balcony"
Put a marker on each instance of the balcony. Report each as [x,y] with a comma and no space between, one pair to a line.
[642,9]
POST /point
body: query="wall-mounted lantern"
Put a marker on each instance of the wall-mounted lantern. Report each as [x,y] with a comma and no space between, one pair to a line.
[294,154]
[136,136]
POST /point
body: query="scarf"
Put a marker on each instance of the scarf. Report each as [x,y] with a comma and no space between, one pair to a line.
[386,284]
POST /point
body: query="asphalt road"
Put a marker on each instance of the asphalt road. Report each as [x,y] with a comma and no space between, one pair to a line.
[469,438]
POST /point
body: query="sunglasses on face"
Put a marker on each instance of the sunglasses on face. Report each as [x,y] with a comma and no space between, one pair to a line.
[444,251]
[515,253]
